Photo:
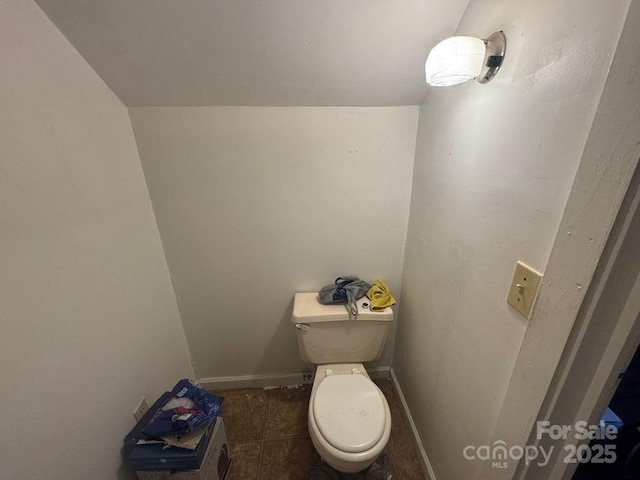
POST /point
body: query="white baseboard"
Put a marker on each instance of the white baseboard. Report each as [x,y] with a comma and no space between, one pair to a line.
[426,465]
[252,381]
[273,379]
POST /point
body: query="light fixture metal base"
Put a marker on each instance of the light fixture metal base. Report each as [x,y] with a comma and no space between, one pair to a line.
[496,46]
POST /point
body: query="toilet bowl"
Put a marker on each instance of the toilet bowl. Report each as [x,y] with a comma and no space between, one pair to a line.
[349,417]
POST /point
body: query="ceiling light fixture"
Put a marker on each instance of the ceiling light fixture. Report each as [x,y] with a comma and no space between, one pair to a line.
[460,59]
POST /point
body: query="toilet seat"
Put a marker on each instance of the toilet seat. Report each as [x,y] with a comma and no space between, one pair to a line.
[350,412]
[357,381]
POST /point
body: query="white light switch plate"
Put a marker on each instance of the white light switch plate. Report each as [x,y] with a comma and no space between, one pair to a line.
[524,289]
[141,409]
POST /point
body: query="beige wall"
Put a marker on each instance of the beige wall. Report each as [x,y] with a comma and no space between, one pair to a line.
[573,288]
[254,204]
[89,319]
[494,165]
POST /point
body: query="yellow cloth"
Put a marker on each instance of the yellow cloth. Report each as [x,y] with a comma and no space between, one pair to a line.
[380,296]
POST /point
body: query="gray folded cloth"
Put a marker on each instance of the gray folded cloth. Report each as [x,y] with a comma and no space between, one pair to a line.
[344,290]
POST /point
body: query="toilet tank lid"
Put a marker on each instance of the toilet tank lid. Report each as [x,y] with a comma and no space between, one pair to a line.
[307,309]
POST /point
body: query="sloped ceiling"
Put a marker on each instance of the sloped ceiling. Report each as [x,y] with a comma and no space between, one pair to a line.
[258,52]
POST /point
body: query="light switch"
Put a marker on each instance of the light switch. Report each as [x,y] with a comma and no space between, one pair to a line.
[524,289]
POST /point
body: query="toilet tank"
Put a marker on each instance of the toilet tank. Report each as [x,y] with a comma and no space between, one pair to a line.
[327,334]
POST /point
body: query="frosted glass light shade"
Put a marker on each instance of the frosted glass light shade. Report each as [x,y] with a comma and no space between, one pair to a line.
[455,60]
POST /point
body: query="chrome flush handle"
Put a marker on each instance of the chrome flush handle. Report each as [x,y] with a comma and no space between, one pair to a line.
[302,326]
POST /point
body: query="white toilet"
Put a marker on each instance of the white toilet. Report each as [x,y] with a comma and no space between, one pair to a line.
[349,417]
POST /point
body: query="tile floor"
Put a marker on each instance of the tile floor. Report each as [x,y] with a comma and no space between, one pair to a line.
[268,438]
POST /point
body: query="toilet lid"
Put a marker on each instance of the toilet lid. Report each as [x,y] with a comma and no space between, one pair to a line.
[350,412]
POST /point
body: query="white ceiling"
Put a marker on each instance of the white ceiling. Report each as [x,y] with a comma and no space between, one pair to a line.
[258,52]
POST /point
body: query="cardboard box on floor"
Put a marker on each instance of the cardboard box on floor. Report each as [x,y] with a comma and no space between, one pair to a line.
[215,465]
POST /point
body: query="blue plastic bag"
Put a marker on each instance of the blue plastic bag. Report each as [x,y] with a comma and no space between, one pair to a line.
[189,407]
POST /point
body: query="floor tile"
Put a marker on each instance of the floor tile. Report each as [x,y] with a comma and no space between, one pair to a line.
[288,459]
[243,418]
[397,415]
[245,460]
[287,412]
[404,455]
[386,386]
[269,439]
